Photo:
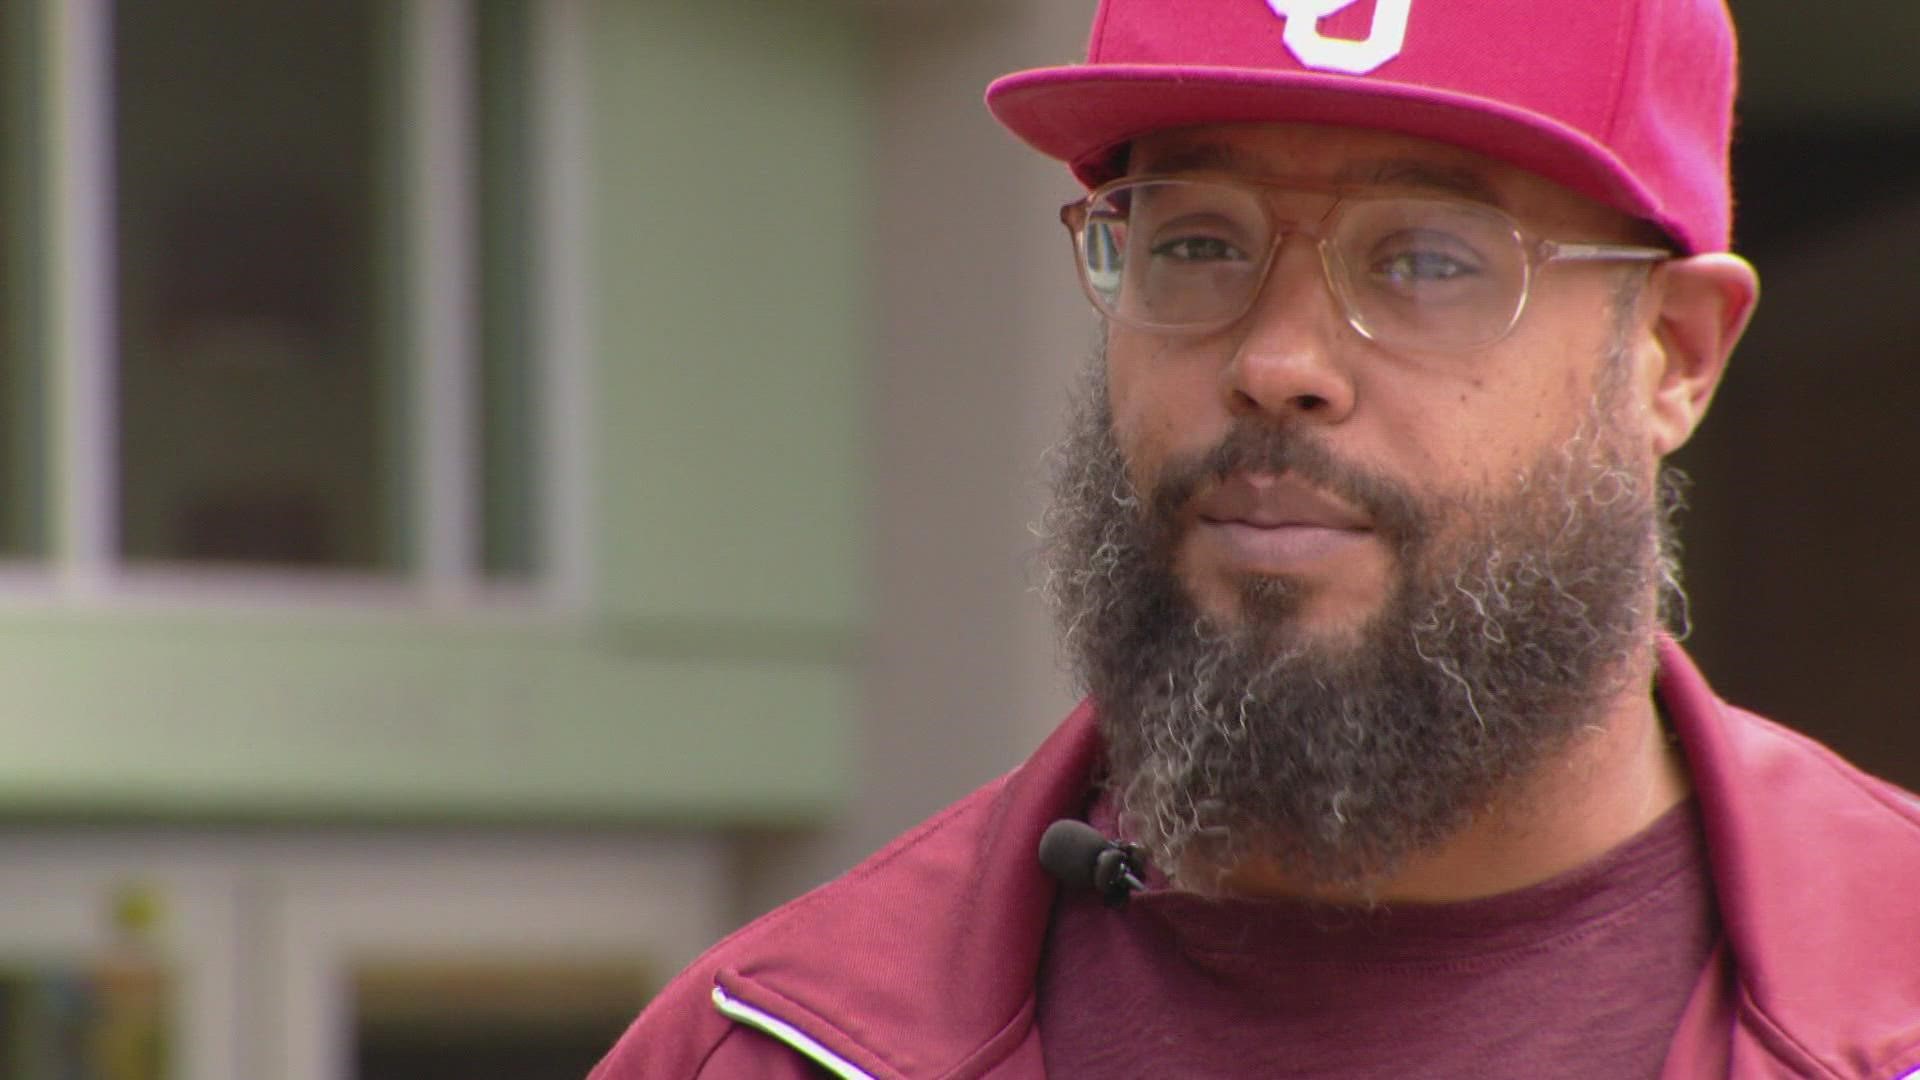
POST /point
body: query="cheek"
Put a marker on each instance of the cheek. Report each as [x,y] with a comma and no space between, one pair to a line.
[1483,427]
[1162,402]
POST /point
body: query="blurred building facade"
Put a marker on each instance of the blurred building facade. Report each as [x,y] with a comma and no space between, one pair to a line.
[502,490]
[435,499]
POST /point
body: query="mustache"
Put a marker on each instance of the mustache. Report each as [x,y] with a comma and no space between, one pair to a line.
[1398,516]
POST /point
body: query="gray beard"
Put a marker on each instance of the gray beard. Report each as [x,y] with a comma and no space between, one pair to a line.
[1514,617]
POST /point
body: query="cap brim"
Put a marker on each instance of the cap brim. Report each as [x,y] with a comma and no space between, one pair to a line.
[1085,115]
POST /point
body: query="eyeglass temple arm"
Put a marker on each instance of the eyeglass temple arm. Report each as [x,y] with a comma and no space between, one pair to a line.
[1556,251]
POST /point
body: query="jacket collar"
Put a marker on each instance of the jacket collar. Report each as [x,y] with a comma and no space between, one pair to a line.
[1816,869]
[931,945]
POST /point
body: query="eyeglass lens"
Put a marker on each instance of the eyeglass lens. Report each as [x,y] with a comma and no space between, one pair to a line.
[1192,255]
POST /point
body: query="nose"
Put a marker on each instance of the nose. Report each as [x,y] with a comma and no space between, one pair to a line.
[1287,360]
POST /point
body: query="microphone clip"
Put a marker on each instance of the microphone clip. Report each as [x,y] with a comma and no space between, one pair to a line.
[1116,873]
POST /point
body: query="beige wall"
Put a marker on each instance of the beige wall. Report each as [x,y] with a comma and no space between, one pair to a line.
[979,325]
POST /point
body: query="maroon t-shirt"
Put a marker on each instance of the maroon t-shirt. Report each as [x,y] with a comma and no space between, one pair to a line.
[1583,976]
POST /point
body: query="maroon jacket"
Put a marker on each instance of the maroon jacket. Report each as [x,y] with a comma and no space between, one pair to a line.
[920,962]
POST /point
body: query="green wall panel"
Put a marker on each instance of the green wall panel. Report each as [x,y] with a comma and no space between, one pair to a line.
[248,718]
[732,219]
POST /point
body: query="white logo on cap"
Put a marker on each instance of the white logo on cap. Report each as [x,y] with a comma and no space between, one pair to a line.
[1382,43]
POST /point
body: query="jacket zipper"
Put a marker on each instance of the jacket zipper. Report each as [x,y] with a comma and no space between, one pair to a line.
[742,1013]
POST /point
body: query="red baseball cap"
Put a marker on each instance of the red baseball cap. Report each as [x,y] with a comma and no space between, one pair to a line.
[1629,102]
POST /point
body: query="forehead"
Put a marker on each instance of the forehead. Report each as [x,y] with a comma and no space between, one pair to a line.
[1321,155]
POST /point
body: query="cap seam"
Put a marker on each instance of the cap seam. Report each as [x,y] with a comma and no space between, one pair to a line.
[1623,48]
[1097,41]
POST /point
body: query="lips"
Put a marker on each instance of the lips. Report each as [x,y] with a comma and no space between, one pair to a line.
[1269,501]
[1276,523]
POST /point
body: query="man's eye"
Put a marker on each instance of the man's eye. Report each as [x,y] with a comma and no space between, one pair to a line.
[1198,249]
[1411,268]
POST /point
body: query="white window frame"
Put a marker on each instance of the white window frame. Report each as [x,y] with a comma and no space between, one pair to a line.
[82,568]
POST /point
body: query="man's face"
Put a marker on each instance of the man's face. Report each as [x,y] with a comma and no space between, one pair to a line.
[1331,596]
[1433,423]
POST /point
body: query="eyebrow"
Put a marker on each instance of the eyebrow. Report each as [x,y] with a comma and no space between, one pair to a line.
[1412,172]
[1197,157]
[1400,172]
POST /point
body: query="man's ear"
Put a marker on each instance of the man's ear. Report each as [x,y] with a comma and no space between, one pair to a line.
[1704,302]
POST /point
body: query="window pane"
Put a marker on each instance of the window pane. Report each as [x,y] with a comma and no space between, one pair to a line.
[256,388]
[22,501]
[509,506]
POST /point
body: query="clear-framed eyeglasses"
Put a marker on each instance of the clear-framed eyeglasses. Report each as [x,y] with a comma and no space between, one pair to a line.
[1189,255]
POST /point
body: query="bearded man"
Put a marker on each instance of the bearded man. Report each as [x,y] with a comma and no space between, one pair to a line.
[1361,541]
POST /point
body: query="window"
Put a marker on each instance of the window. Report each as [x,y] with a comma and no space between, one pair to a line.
[300,296]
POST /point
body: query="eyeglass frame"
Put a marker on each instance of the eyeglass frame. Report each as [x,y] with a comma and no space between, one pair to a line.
[1537,251]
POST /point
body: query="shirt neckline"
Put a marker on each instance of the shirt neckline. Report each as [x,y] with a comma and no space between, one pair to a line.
[1560,911]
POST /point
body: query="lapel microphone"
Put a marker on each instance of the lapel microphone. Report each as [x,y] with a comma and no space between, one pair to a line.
[1080,857]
